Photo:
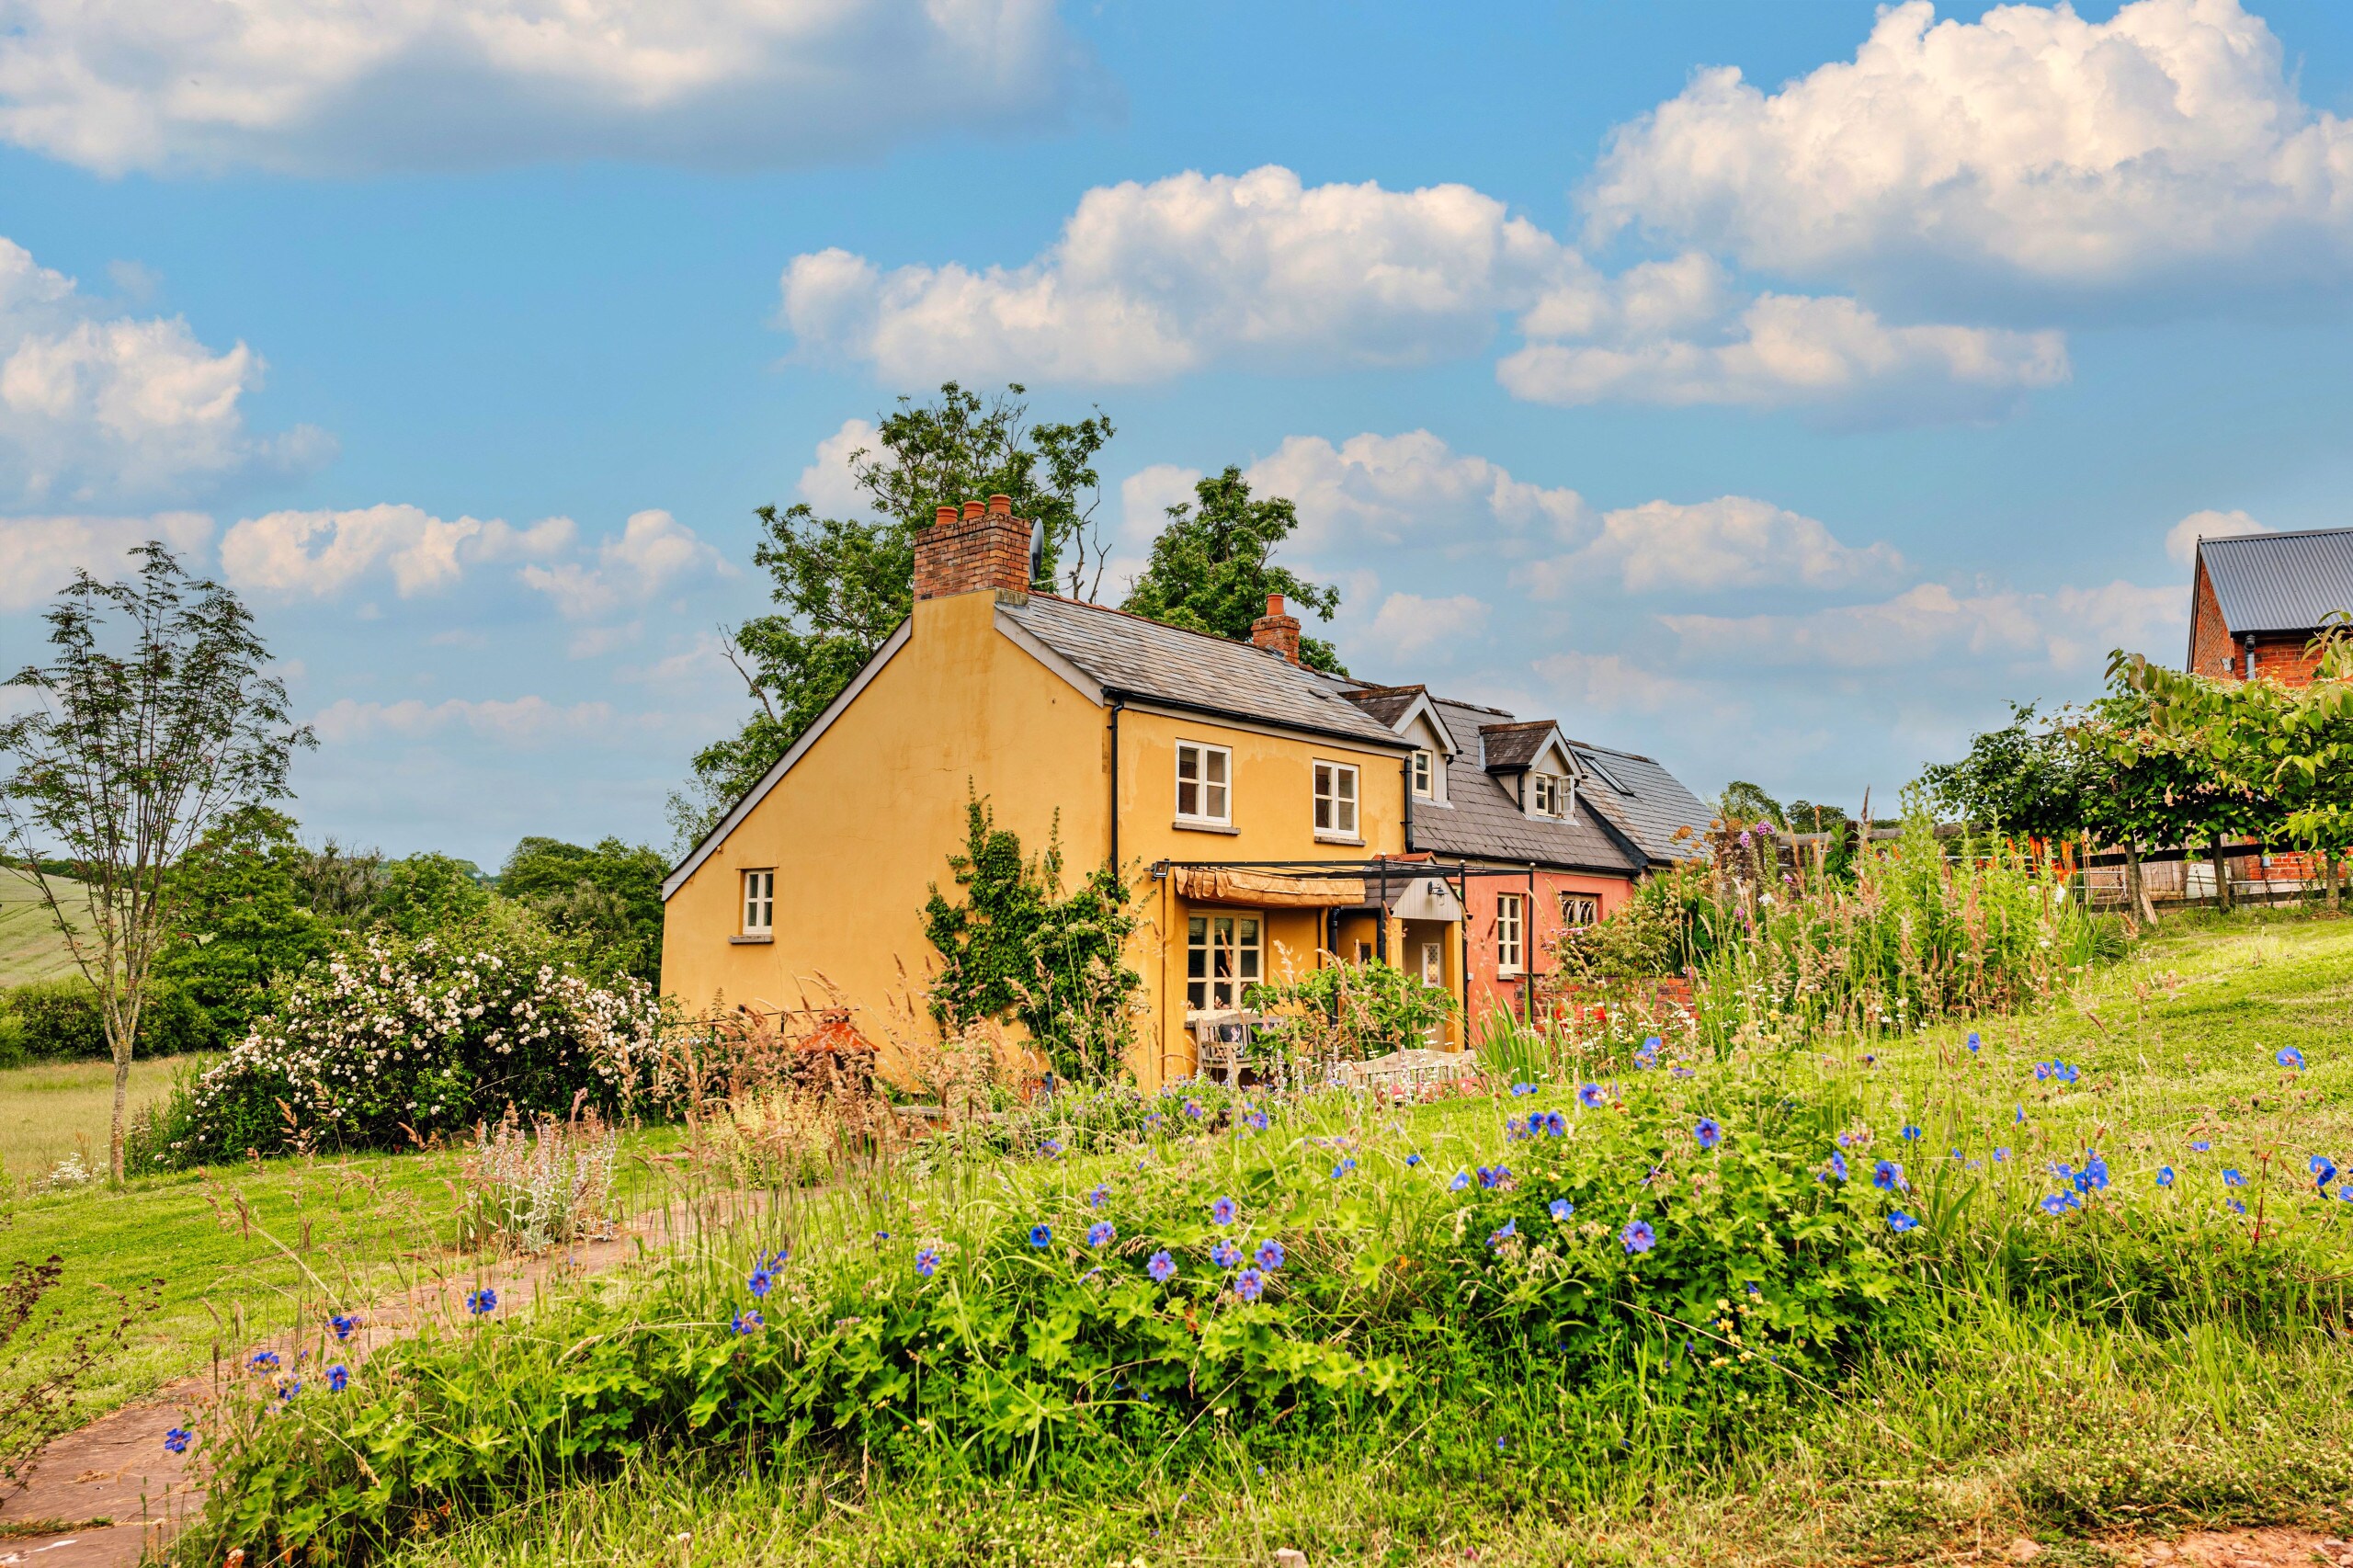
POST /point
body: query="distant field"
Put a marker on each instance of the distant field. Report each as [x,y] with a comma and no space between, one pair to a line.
[58,1109]
[30,948]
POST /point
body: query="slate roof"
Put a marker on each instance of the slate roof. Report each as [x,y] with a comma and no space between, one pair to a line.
[2279,582]
[1134,657]
[1514,745]
[1386,703]
[1482,821]
[1644,801]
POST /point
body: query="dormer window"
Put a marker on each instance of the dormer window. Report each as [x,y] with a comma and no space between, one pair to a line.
[1424,772]
[1547,795]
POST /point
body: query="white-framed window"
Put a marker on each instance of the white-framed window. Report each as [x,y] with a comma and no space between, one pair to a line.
[1579,909]
[1425,771]
[1511,911]
[1222,961]
[1204,783]
[1336,798]
[760,903]
[1547,795]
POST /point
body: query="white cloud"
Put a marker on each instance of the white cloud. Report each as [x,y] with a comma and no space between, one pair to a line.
[1785,350]
[653,551]
[826,483]
[320,554]
[316,86]
[2068,630]
[39,555]
[1610,683]
[1151,281]
[1407,624]
[522,722]
[1409,489]
[1733,541]
[97,406]
[2181,540]
[2031,142]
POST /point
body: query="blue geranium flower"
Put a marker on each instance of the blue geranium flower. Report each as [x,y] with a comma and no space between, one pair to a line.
[338,1377]
[1193,1109]
[1709,1132]
[1162,1268]
[2058,1202]
[1222,1211]
[1899,1221]
[1461,1179]
[2201,1146]
[2289,1057]
[1638,1237]
[1508,1228]
[1591,1097]
[1050,1148]
[1563,1209]
[1648,1055]
[1042,1236]
[926,1263]
[1270,1254]
[1911,1135]
[1888,1176]
[1493,1176]
[1838,1164]
[2000,1155]
[293,1386]
[1413,1159]
[1249,1285]
[2094,1176]
[264,1360]
[1258,1120]
[1972,1042]
[1100,1234]
[748,1323]
[2234,1178]
[345,1327]
[178,1439]
[1514,1130]
[1098,1197]
[1226,1254]
[2165,1175]
[1556,1124]
[2324,1170]
[1519,1089]
[483,1301]
[2237,1207]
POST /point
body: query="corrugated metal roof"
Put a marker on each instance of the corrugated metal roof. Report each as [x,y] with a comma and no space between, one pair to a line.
[1483,821]
[1142,658]
[2280,581]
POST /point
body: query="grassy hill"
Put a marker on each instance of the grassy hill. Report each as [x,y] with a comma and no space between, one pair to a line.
[30,946]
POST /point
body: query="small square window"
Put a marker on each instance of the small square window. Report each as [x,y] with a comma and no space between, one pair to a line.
[1336,798]
[760,903]
[1547,795]
[1204,787]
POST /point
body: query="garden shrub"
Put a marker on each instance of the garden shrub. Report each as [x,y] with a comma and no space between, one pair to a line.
[59,1020]
[397,1040]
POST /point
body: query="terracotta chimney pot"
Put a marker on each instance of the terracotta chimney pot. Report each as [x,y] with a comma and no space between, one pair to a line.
[973,509]
[1000,506]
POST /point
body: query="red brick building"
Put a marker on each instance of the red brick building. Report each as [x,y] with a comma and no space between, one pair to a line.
[2258,599]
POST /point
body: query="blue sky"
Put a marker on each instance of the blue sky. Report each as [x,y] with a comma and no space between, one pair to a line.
[1784,426]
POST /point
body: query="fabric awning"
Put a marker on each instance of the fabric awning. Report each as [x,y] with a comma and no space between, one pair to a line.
[1223,884]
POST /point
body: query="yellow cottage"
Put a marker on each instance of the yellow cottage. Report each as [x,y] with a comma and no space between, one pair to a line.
[1263,816]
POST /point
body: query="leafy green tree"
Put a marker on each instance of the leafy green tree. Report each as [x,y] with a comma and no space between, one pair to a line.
[1020,947]
[429,894]
[1743,803]
[154,718]
[607,899]
[844,583]
[2027,778]
[242,925]
[1210,569]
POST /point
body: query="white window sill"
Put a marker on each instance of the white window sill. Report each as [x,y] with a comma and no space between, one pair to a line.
[1347,838]
[760,941]
[1511,975]
[1203,824]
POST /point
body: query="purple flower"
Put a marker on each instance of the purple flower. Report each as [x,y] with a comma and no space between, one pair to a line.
[1708,1131]
[1556,1124]
[2001,1154]
[486,1301]
[1258,1120]
[1098,1197]
[1270,1254]
[345,1327]
[1249,1285]
[338,1377]
[1413,1159]
[927,1262]
[760,1282]
[1591,1097]
[1508,1228]
[178,1439]
[1494,1176]
[1051,1149]
[2058,1202]
[1461,1179]
[2289,1057]
[1838,1165]
[2237,1207]
[1100,1234]
[2201,1146]
[1638,1237]
[1899,1221]
[1519,1089]
[1226,1254]
[1193,1109]
[1563,1209]
[747,1322]
[1222,1211]
[264,1360]
[1888,1176]
[1162,1268]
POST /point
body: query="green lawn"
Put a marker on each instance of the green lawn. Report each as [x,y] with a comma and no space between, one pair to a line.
[1999,1414]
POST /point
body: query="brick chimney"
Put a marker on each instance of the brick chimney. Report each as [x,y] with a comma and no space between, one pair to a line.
[983,546]
[1276,630]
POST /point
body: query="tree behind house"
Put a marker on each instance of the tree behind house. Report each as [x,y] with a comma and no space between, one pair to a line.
[1212,568]
[153,720]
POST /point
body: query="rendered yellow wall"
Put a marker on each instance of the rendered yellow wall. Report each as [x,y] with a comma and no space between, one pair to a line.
[863,823]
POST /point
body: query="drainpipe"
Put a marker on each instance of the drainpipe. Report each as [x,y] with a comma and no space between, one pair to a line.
[1528,949]
[2250,655]
[1381,913]
[1405,769]
[1116,704]
[1462,944]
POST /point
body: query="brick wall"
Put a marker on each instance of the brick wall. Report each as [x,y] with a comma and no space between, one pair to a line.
[983,546]
[2211,651]
[2285,659]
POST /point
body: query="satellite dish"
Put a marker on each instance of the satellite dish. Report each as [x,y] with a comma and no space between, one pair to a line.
[1037,551]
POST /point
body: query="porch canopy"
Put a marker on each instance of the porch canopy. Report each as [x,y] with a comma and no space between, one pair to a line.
[1266,889]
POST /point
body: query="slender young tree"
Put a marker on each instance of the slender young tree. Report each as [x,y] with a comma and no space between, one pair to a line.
[153,719]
